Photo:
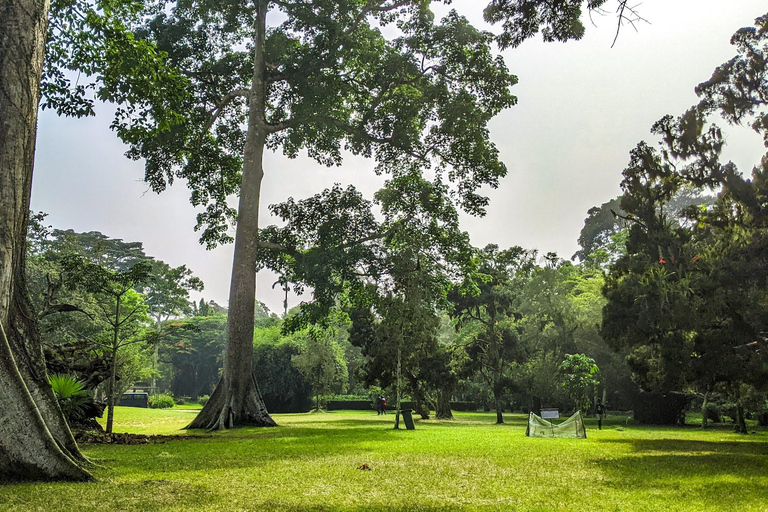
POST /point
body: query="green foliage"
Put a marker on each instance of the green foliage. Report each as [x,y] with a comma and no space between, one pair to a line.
[413,102]
[486,306]
[194,350]
[210,308]
[167,291]
[161,401]
[579,377]
[282,385]
[558,21]
[321,361]
[683,301]
[203,400]
[71,395]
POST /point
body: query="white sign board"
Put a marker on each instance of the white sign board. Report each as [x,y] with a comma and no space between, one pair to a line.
[550,414]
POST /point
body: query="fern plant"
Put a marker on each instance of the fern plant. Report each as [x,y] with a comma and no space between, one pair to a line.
[71,395]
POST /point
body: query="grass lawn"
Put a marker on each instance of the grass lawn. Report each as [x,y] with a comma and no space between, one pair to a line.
[188,406]
[310,463]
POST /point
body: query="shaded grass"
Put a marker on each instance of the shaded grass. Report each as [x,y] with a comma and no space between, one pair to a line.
[310,463]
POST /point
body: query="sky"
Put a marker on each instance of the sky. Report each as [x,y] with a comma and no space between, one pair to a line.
[582,106]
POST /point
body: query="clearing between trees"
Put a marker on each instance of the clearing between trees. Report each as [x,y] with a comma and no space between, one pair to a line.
[354,460]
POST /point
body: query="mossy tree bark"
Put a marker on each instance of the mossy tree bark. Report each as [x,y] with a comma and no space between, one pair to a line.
[35,441]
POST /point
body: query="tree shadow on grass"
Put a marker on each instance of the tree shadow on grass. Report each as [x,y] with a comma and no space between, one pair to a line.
[706,470]
[688,446]
[247,447]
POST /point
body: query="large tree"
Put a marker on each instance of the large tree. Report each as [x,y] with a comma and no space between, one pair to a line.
[487,304]
[323,79]
[688,297]
[35,441]
[121,308]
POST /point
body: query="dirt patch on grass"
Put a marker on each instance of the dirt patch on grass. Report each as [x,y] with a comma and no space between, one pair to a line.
[130,439]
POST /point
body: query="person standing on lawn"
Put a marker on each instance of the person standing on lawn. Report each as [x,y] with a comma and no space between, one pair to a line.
[600,413]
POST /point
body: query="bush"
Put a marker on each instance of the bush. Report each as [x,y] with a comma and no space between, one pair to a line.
[163,401]
[344,398]
[179,401]
[203,400]
[657,409]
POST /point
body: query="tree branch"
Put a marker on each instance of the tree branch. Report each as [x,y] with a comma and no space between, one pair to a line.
[377,7]
[124,320]
[63,308]
[632,18]
[216,112]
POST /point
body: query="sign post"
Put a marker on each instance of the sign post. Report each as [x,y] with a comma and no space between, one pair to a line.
[550,413]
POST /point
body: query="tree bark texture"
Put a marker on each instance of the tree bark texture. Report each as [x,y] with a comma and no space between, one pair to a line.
[497,405]
[418,396]
[111,389]
[35,441]
[443,411]
[237,400]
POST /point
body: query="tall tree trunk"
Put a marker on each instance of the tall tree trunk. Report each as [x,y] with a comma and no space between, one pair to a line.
[741,424]
[443,411]
[111,391]
[496,387]
[418,396]
[237,399]
[35,441]
[704,409]
[497,405]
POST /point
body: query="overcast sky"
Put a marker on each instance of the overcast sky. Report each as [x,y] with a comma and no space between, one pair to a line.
[582,107]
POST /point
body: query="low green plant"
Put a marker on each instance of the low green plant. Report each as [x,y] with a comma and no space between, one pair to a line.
[203,400]
[71,395]
[161,401]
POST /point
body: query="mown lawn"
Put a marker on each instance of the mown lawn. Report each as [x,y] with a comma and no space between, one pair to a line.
[310,463]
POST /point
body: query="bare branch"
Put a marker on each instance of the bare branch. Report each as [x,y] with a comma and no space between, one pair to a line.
[216,112]
[629,15]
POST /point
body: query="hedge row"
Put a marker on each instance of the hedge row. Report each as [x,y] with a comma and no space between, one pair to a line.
[367,405]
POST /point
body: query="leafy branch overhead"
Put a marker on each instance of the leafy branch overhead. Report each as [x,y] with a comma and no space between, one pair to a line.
[333,82]
[333,243]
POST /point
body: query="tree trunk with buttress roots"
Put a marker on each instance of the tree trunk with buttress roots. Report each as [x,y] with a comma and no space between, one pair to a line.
[236,399]
[35,441]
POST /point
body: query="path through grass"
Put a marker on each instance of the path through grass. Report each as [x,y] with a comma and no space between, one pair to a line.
[310,463]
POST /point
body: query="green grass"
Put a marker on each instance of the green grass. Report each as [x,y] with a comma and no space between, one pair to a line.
[188,406]
[310,461]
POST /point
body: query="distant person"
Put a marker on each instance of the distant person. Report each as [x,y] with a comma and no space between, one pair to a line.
[383,405]
[600,413]
[379,408]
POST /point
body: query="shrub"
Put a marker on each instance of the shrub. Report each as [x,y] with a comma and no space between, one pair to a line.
[203,400]
[179,401]
[163,401]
